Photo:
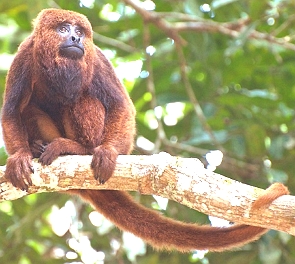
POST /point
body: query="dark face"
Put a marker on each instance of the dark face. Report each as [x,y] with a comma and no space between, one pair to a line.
[72,44]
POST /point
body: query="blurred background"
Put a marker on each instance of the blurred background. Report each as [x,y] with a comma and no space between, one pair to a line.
[217,75]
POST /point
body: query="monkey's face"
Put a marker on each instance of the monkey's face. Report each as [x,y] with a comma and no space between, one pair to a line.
[63,36]
[72,41]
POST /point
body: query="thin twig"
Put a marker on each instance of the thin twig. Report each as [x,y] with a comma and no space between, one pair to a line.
[214,27]
[113,42]
[152,17]
[193,99]
[232,29]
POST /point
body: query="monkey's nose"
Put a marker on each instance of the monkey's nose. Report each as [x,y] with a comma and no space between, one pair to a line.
[75,39]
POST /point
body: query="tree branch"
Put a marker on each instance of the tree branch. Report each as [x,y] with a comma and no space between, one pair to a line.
[184,180]
[233,29]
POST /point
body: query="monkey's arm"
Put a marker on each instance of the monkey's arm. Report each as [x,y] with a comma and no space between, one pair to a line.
[17,95]
[119,127]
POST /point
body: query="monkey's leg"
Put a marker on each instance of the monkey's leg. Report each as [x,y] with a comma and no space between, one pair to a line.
[45,138]
[39,125]
[83,125]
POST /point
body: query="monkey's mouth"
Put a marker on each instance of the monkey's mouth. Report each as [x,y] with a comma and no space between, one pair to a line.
[72,51]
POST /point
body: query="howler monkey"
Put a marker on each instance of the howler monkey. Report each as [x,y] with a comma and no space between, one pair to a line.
[63,97]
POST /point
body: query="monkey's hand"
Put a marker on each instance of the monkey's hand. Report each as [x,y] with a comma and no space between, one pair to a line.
[60,146]
[19,169]
[38,147]
[50,153]
[104,162]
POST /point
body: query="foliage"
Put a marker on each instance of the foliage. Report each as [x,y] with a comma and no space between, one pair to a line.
[227,84]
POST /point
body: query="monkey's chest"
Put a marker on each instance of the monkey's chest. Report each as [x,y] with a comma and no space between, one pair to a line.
[84,121]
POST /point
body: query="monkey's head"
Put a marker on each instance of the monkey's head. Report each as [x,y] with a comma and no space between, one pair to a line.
[63,53]
[69,33]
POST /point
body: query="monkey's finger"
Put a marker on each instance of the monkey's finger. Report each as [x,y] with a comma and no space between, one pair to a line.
[27,176]
[102,169]
[18,182]
[47,158]
[28,179]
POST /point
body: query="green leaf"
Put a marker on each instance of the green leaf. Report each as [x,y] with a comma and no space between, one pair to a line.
[255,137]
[258,8]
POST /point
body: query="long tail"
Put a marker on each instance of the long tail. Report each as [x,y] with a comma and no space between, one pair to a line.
[162,232]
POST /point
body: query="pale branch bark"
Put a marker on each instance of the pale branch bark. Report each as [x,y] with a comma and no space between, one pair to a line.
[184,180]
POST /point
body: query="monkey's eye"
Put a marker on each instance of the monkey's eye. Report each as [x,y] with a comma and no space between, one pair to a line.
[79,32]
[63,29]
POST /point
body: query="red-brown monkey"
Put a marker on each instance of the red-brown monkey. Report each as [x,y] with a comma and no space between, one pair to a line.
[63,97]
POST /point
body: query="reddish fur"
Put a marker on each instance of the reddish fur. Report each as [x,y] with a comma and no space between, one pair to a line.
[55,105]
